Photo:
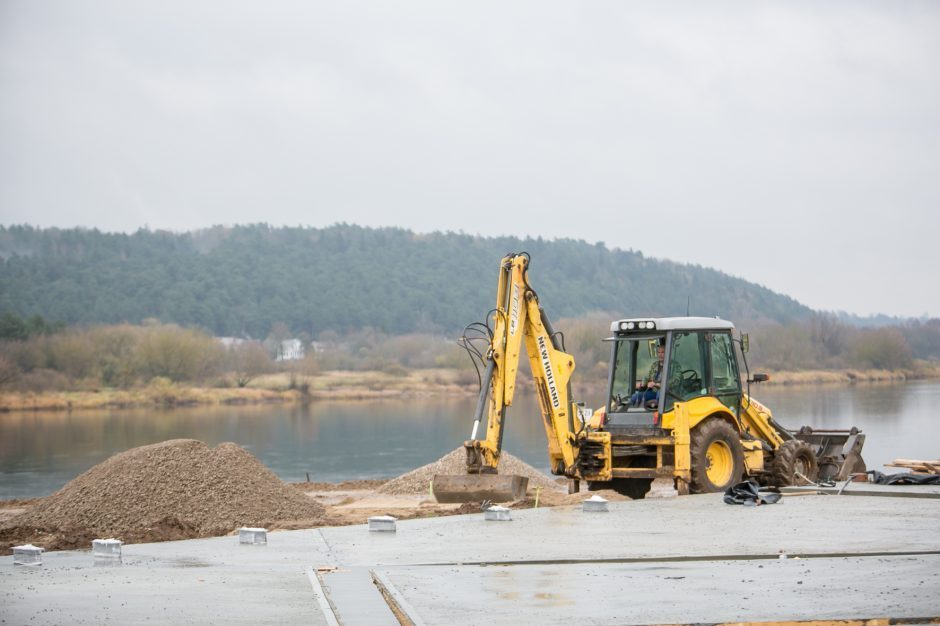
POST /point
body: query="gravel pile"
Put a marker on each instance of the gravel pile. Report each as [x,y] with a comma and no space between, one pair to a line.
[183,485]
[417,480]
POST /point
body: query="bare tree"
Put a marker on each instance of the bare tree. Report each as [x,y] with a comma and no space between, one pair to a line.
[8,370]
[247,361]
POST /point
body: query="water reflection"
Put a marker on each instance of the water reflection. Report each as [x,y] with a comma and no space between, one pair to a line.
[897,418]
[39,452]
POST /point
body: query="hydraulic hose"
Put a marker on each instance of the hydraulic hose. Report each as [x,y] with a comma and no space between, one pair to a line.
[484,397]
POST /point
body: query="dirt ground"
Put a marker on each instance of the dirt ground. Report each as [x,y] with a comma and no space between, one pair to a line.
[354,502]
[182,489]
[345,503]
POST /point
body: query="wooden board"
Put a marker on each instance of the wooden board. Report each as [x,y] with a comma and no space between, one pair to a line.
[917,466]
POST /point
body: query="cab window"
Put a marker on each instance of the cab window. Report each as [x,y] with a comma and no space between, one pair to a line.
[633,360]
[686,377]
[726,384]
[724,368]
[622,382]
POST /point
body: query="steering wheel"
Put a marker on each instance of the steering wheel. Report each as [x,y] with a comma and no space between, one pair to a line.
[691,379]
[688,380]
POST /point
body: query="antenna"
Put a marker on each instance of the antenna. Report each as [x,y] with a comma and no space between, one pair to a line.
[688,305]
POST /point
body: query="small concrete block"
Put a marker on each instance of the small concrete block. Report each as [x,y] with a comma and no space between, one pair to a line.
[106,549]
[382,524]
[497,513]
[27,555]
[595,504]
[662,488]
[253,536]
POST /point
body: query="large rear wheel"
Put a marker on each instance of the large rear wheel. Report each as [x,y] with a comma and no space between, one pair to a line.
[717,456]
[794,463]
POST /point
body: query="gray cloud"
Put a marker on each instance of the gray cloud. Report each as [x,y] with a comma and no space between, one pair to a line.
[792,144]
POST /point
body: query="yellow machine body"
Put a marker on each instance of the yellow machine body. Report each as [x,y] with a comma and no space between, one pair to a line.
[701,429]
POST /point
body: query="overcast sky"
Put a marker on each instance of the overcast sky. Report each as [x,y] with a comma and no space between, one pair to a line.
[794,144]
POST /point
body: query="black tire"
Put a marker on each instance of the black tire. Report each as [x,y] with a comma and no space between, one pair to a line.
[715,447]
[827,471]
[791,458]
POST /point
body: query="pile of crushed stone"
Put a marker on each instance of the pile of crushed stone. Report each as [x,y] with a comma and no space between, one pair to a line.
[417,480]
[171,490]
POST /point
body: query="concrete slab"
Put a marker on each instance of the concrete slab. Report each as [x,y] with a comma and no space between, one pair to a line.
[871,489]
[181,582]
[672,593]
[688,559]
[696,526]
[356,598]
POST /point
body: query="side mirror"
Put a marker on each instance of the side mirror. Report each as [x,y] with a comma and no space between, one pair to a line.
[759,378]
[745,343]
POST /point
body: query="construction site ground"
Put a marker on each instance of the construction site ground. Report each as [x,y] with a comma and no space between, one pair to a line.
[656,561]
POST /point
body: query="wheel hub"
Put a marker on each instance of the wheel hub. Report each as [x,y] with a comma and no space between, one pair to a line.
[719,463]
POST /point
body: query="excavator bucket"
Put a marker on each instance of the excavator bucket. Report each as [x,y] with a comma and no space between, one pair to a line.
[449,488]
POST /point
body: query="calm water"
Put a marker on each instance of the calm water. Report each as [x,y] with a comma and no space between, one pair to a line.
[343,440]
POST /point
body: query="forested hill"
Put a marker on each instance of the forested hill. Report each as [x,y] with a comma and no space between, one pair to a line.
[240,281]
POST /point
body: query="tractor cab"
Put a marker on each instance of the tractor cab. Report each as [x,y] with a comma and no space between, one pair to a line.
[657,362]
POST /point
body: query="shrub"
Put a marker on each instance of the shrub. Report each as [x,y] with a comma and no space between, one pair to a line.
[43,380]
[178,354]
[883,348]
[394,369]
[247,361]
[9,371]
[72,353]
[162,390]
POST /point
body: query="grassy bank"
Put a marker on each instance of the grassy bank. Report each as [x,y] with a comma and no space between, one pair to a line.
[177,395]
[922,370]
[272,388]
[347,385]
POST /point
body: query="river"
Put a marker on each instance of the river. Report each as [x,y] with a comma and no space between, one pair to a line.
[333,441]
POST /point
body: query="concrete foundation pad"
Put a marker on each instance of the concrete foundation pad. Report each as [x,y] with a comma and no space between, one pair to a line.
[870,489]
[688,526]
[680,560]
[200,581]
[672,593]
[356,598]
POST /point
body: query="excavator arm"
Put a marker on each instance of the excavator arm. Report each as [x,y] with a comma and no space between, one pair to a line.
[519,323]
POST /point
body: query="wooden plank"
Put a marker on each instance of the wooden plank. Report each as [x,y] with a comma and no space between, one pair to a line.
[913,462]
[917,466]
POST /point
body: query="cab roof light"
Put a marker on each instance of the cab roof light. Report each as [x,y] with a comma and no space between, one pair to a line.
[642,325]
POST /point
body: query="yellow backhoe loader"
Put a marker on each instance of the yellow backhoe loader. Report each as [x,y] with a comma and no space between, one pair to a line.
[675,409]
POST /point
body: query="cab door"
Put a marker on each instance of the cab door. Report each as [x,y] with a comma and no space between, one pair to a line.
[687,373]
[724,381]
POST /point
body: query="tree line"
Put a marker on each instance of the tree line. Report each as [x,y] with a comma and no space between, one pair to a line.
[820,342]
[240,281]
[126,356]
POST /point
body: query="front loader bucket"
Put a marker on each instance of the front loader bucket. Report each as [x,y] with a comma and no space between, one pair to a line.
[838,452]
[449,488]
